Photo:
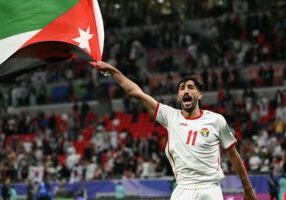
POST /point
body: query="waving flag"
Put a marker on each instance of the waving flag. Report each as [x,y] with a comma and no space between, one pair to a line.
[37,32]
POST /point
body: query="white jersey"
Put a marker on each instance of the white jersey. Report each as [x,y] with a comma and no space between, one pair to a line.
[193,147]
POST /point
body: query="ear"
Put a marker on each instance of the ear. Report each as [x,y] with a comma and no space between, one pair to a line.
[178,97]
[200,95]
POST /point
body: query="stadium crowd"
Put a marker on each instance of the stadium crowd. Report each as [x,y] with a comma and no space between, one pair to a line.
[81,146]
[232,44]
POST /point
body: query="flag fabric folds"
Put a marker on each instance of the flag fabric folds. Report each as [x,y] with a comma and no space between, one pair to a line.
[34,33]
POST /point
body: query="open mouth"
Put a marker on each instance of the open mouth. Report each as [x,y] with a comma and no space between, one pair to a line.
[187,98]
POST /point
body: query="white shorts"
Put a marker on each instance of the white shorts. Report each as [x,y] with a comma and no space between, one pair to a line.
[209,193]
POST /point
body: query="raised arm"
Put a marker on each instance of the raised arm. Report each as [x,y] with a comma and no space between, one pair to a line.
[131,88]
[236,162]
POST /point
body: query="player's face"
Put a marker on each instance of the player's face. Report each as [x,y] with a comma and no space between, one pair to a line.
[188,96]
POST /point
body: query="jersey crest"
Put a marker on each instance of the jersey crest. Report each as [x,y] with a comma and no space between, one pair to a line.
[204,132]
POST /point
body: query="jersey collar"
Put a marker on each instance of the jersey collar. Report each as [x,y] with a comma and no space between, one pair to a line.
[197,117]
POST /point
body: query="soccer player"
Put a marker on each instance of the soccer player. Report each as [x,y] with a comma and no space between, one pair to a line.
[194,139]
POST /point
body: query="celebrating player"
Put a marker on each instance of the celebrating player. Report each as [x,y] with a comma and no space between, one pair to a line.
[194,139]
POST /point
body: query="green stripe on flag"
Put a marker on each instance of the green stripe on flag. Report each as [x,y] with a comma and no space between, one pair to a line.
[19,16]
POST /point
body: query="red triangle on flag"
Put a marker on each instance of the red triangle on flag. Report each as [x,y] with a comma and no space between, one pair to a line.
[77,26]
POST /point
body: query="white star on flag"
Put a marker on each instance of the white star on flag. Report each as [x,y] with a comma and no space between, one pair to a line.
[84,38]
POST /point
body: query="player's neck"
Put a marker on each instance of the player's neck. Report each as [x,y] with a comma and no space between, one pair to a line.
[192,114]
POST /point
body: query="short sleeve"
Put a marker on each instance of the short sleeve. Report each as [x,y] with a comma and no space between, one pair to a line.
[226,137]
[163,114]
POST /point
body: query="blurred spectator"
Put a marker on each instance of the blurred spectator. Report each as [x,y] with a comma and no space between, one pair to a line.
[6,190]
[280,112]
[255,163]
[263,104]
[273,186]
[31,190]
[282,186]
[119,191]
[81,194]
[72,157]
[277,165]
[279,127]
[14,195]
[147,168]
[44,191]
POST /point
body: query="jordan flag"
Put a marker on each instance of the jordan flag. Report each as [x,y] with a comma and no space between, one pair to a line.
[35,33]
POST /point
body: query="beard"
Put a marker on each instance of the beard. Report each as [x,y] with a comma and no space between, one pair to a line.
[188,103]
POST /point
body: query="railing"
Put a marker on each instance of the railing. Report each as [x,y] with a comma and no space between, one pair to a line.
[160,188]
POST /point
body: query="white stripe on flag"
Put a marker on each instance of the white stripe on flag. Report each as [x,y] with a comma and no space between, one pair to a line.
[11,44]
[99,25]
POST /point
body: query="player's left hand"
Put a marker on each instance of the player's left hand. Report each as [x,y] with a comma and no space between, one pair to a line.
[250,194]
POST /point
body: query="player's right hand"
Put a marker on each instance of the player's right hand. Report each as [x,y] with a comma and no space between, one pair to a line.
[103,67]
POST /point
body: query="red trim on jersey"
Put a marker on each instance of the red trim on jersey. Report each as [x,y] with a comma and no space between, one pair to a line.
[197,117]
[156,111]
[171,158]
[170,153]
[230,146]
[218,159]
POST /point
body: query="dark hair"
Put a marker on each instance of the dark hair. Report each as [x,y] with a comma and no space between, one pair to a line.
[195,78]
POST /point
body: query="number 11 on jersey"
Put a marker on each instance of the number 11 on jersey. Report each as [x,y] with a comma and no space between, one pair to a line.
[192,136]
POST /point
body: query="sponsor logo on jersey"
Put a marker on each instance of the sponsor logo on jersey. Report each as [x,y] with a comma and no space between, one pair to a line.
[205,132]
[183,124]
